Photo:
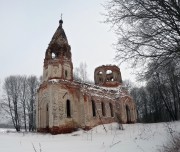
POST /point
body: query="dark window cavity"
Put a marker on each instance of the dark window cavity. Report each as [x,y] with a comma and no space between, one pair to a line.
[66,73]
[93,108]
[111,109]
[103,109]
[68,108]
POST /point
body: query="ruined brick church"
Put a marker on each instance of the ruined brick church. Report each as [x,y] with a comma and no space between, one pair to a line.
[64,105]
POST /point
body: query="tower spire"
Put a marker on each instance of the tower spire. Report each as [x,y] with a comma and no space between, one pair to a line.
[61,21]
[58,57]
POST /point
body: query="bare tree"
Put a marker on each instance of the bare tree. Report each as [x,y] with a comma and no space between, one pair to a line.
[76,74]
[33,84]
[83,71]
[80,73]
[19,100]
[23,92]
[128,85]
[167,81]
[11,89]
[159,99]
[146,29]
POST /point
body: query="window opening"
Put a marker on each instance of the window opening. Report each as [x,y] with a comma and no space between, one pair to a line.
[128,114]
[109,75]
[47,116]
[103,109]
[65,73]
[108,71]
[53,55]
[47,107]
[93,108]
[100,72]
[111,109]
[68,108]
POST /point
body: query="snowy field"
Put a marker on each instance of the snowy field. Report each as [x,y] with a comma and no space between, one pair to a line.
[134,138]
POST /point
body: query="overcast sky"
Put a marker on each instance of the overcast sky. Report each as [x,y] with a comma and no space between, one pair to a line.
[27,27]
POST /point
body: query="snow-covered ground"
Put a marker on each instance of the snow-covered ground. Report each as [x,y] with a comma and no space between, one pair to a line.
[134,138]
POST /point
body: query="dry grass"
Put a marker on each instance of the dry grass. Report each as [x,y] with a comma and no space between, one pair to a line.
[173,145]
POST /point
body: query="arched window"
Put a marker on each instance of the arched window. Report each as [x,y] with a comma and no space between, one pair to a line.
[93,108]
[128,114]
[68,108]
[109,75]
[66,73]
[53,55]
[47,108]
[109,72]
[111,109]
[103,109]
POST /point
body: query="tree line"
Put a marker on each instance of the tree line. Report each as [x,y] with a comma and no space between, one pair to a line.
[148,38]
[159,99]
[18,101]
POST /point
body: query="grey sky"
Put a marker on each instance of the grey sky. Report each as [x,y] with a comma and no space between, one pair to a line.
[27,27]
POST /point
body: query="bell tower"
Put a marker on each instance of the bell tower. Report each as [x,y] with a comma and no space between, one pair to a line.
[57,62]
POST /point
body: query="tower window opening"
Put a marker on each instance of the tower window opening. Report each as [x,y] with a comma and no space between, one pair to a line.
[68,108]
[93,108]
[53,55]
[100,72]
[111,109]
[103,109]
[109,77]
[109,72]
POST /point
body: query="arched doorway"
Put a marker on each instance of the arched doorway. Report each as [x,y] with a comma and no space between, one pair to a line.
[128,114]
